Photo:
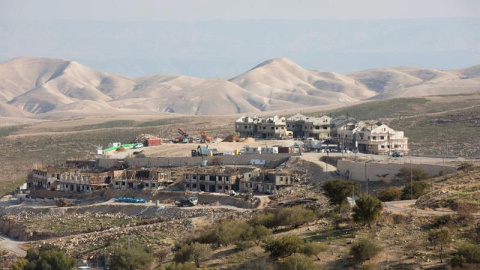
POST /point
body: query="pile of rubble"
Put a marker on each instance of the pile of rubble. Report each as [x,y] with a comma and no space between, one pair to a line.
[7,258]
[143,137]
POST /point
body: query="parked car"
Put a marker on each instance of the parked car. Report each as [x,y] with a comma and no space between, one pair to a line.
[397,154]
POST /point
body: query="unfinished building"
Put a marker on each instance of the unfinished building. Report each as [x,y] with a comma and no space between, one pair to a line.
[143,178]
[216,179]
[269,181]
[257,127]
[305,126]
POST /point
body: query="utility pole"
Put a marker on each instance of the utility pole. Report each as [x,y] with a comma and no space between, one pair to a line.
[411,179]
[366,179]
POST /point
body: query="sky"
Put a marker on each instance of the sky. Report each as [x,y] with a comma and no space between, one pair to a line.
[193,10]
[222,38]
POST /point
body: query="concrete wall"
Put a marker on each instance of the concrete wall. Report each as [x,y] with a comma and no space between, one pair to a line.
[271,160]
[356,170]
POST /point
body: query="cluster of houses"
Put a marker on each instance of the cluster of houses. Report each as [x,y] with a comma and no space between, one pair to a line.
[347,133]
[87,177]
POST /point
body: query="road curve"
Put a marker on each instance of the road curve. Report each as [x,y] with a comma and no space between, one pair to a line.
[12,245]
[406,207]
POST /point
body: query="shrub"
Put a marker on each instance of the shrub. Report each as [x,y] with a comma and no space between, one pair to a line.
[416,173]
[268,220]
[457,260]
[295,216]
[260,233]
[195,252]
[179,266]
[389,194]
[314,248]
[296,262]
[284,246]
[419,189]
[258,264]
[465,166]
[131,257]
[367,210]
[364,250]
[243,245]
[442,221]
[470,252]
[49,257]
[227,232]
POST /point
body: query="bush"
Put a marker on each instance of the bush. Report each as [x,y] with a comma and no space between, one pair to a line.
[257,264]
[227,232]
[268,220]
[131,257]
[465,166]
[195,252]
[367,210]
[389,194]
[364,250]
[314,248]
[180,266]
[48,257]
[296,262]
[470,252]
[284,246]
[416,173]
[419,189]
[243,245]
[457,261]
[442,221]
[294,216]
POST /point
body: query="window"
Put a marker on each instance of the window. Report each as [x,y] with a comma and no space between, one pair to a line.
[325,127]
[245,127]
[382,137]
[374,138]
[383,146]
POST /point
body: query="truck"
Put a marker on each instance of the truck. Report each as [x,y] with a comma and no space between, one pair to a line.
[188,201]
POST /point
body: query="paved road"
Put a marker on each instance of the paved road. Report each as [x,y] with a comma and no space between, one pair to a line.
[12,245]
[406,207]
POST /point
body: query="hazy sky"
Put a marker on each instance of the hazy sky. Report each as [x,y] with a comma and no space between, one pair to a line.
[222,38]
[190,10]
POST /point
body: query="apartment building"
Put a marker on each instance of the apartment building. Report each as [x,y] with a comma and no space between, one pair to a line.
[304,126]
[257,127]
[216,179]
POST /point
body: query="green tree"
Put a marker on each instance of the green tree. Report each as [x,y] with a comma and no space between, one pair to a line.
[314,248]
[416,174]
[296,262]
[389,194]
[48,257]
[419,188]
[364,250]
[133,257]
[194,252]
[268,220]
[337,191]
[367,210]
[260,233]
[284,246]
[441,238]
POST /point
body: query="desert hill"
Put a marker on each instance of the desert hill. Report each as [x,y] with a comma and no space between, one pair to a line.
[36,86]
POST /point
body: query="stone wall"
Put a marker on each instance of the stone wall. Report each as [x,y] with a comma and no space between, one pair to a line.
[356,170]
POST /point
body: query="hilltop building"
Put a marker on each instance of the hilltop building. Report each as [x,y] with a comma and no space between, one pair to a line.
[368,137]
[257,127]
[304,126]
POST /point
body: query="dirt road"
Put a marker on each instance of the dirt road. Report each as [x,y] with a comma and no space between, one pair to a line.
[12,245]
[406,207]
